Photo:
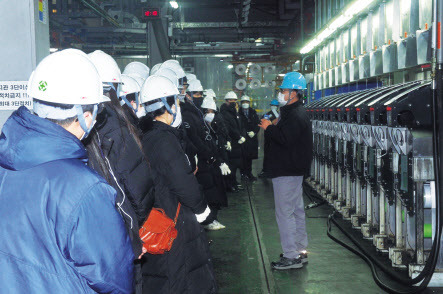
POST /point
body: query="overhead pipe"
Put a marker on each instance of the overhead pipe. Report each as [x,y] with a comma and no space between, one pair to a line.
[161,37]
[100,12]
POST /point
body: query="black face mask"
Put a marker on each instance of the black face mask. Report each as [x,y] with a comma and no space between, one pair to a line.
[233,104]
[198,101]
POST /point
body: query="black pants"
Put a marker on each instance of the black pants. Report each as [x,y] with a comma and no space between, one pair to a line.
[234,165]
[212,216]
[247,167]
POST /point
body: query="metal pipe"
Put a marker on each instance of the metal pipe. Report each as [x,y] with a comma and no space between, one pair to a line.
[398,223]
[358,197]
[348,190]
[339,185]
[382,222]
[100,12]
[369,204]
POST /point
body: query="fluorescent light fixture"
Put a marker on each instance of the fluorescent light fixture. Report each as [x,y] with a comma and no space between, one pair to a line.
[259,40]
[174,4]
[339,22]
[52,50]
[222,55]
[230,66]
[281,75]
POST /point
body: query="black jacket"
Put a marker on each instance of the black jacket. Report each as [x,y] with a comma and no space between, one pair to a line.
[130,169]
[234,126]
[290,150]
[195,129]
[209,175]
[250,124]
[187,267]
[272,117]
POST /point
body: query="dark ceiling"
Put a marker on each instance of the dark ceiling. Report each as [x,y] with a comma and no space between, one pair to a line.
[226,25]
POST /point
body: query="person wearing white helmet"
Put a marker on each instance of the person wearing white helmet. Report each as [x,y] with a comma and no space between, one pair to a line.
[137,68]
[117,154]
[53,241]
[155,68]
[195,92]
[250,122]
[180,196]
[231,116]
[190,77]
[182,81]
[129,98]
[209,176]
[196,128]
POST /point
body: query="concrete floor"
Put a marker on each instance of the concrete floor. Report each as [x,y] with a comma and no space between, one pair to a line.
[242,260]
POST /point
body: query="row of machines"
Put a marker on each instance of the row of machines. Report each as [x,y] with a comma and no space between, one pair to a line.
[373,163]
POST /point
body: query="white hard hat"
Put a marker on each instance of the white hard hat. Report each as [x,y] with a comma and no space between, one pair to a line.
[195,86]
[190,77]
[231,95]
[136,67]
[66,78]
[106,66]
[245,98]
[129,86]
[209,103]
[155,68]
[138,78]
[210,91]
[156,87]
[74,50]
[168,73]
[176,67]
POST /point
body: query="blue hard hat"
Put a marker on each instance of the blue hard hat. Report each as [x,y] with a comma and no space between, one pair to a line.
[275,102]
[294,80]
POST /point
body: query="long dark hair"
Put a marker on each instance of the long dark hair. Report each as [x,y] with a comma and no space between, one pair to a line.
[96,157]
[124,120]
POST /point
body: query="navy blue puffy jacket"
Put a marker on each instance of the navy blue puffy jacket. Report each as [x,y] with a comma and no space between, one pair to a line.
[59,229]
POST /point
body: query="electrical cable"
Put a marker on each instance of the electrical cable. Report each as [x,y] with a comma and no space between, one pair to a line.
[429,267]
[369,260]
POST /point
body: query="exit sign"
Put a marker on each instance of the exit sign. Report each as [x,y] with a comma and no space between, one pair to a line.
[151,13]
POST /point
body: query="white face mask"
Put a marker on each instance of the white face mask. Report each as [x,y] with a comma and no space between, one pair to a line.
[274,108]
[209,117]
[141,112]
[281,99]
[245,105]
[178,118]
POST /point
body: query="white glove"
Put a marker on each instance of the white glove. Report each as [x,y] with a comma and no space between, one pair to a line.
[242,140]
[251,134]
[203,216]
[225,169]
[228,146]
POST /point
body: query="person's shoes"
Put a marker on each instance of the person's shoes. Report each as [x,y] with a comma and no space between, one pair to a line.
[240,187]
[286,263]
[219,224]
[232,189]
[252,178]
[212,227]
[302,256]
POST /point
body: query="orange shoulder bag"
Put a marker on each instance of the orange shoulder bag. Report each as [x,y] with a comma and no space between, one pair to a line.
[159,232]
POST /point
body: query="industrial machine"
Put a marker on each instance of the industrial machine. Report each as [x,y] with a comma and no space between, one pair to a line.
[373,163]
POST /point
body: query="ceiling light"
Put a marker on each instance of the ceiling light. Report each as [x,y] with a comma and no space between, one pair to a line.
[339,22]
[259,40]
[230,66]
[174,4]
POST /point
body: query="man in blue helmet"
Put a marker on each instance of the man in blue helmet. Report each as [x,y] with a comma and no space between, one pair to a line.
[290,155]
[272,116]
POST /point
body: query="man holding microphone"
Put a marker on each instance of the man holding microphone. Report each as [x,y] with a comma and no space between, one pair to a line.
[290,155]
